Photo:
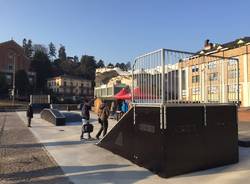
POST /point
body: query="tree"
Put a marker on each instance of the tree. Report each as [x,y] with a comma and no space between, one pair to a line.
[27,47]
[128,66]
[110,65]
[62,53]
[3,85]
[42,66]
[123,67]
[52,50]
[117,65]
[87,67]
[100,64]
[39,48]
[22,82]
[76,59]
[24,42]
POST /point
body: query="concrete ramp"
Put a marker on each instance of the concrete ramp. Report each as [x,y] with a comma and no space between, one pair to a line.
[53,116]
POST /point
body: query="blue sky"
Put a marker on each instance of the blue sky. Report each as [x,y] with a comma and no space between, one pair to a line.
[118,31]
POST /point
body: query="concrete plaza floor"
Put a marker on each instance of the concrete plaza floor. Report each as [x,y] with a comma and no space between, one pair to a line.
[84,162]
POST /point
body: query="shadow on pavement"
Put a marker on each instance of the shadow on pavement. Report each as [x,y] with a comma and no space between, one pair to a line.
[62,143]
[95,174]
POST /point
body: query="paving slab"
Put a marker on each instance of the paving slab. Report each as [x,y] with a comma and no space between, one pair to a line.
[22,159]
[84,162]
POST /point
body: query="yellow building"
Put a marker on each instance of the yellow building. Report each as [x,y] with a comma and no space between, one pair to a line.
[70,86]
[210,78]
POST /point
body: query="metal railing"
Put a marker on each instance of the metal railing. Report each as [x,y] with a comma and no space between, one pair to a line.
[170,76]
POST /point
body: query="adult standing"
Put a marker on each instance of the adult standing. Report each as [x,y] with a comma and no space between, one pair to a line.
[29,114]
[86,116]
[103,115]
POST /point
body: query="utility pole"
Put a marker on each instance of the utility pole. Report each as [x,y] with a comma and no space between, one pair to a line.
[14,79]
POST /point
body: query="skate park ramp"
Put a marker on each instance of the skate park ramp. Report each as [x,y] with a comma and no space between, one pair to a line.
[193,138]
[53,116]
[120,139]
[72,118]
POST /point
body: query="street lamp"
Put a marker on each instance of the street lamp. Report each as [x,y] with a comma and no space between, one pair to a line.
[14,77]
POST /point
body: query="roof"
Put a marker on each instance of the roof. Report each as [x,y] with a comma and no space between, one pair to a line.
[12,42]
[69,77]
[229,45]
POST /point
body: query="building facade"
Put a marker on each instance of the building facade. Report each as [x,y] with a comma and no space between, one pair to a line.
[12,59]
[109,81]
[221,75]
[67,85]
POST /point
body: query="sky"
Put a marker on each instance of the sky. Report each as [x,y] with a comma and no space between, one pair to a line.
[120,30]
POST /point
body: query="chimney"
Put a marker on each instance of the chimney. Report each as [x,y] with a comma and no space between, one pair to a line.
[207,45]
[206,42]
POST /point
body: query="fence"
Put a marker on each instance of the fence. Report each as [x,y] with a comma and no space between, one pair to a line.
[40,99]
[170,76]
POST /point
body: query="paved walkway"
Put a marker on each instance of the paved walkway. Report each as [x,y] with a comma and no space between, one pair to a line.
[84,162]
[22,158]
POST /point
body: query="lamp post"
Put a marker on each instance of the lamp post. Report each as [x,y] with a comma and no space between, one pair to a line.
[14,79]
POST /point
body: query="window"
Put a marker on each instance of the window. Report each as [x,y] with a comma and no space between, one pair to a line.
[211,65]
[212,89]
[232,88]
[195,79]
[213,76]
[195,68]
[9,78]
[232,74]
[10,67]
[233,61]
[183,79]
[195,91]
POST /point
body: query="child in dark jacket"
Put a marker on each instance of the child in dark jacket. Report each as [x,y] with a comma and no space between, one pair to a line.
[29,114]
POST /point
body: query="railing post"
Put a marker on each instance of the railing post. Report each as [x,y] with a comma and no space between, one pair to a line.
[238,83]
[132,90]
[163,76]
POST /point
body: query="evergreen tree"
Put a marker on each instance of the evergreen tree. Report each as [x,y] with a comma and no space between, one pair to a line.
[76,59]
[88,67]
[3,85]
[22,82]
[62,53]
[27,46]
[24,42]
[110,65]
[42,66]
[117,65]
[29,49]
[123,67]
[128,66]
[39,48]
[52,50]
[100,64]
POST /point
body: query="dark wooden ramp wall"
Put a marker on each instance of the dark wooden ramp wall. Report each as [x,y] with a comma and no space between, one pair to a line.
[120,139]
[195,137]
